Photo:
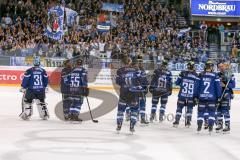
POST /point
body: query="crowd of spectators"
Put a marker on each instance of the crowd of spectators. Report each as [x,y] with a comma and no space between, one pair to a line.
[146,28]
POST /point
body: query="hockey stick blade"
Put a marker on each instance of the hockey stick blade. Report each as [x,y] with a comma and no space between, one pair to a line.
[95,121]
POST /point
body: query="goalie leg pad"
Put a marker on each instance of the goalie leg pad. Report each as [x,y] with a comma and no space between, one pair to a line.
[42,110]
[27,111]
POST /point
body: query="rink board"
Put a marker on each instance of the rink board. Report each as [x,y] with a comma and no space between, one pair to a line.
[99,79]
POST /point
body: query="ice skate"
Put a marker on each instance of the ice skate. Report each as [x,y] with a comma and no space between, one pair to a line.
[118,129]
[226,130]
[206,125]
[161,118]
[210,129]
[188,124]
[199,128]
[132,130]
[144,121]
[175,124]
[152,117]
[219,128]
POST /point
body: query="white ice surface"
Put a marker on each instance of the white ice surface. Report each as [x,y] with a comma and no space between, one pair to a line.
[55,139]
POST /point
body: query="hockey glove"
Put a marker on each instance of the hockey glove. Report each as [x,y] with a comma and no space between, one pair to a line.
[46,90]
[170,93]
[145,91]
[85,91]
[151,89]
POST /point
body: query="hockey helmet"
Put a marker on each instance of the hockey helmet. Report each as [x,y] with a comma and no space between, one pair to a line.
[79,62]
[209,65]
[191,65]
[36,61]
[66,62]
[164,65]
[126,60]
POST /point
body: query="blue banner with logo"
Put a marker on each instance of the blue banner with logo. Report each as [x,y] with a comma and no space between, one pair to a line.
[103,27]
[17,61]
[113,7]
[54,28]
[219,8]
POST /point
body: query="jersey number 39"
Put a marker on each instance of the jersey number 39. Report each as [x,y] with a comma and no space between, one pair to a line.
[188,88]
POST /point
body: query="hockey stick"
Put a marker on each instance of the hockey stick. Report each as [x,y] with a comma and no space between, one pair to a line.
[218,104]
[230,75]
[186,113]
[94,120]
[225,89]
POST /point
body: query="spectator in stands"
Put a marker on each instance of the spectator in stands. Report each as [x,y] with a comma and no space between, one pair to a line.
[144,28]
[234,52]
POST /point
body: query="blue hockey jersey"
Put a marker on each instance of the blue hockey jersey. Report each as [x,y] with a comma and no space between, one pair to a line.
[161,81]
[64,80]
[188,82]
[144,80]
[78,81]
[224,79]
[35,79]
[130,80]
[209,87]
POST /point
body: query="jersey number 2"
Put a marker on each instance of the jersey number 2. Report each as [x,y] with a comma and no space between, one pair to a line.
[206,85]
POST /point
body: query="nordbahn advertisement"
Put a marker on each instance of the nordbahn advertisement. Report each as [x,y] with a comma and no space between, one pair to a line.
[216,8]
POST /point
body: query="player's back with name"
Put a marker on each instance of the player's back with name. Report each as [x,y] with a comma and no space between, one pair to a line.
[209,86]
[188,82]
[161,82]
[77,80]
[35,79]
[64,80]
[128,78]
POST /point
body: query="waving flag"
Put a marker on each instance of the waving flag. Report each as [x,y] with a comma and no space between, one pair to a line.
[54,28]
[70,15]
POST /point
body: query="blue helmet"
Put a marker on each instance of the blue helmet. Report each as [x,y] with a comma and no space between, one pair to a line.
[37,61]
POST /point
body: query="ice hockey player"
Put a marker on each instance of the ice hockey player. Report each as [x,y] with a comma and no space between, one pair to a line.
[187,96]
[34,84]
[65,87]
[209,94]
[142,98]
[228,83]
[78,89]
[160,88]
[129,79]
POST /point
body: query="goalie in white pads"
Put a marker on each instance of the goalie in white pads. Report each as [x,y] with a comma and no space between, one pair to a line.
[34,84]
